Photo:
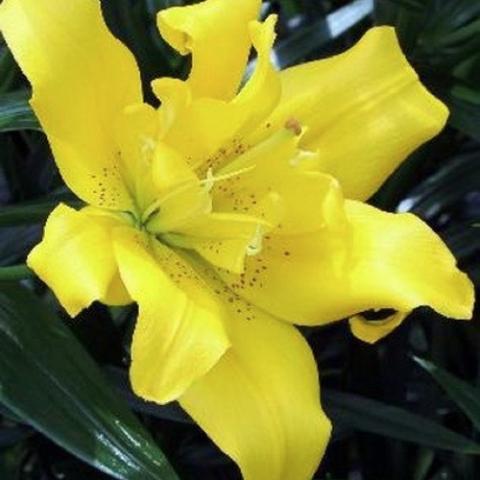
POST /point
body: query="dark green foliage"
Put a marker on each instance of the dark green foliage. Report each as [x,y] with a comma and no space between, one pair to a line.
[58,413]
[48,381]
[15,113]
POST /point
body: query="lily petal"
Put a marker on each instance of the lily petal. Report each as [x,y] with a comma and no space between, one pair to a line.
[365,110]
[217,37]
[223,239]
[377,260]
[309,199]
[81,76]
[181,197]
[261,402]
[179,334]
[207,131]
[262,92]
[197,128]
[372,331]
[136,133]
[76,261]
[418,265]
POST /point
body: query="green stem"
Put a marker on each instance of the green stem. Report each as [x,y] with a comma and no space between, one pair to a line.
[15,272]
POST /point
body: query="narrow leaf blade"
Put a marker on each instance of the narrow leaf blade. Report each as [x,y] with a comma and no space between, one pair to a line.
[372,416]
[464,395]
[48,380]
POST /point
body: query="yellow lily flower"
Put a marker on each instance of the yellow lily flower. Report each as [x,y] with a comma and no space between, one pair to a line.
[229,214]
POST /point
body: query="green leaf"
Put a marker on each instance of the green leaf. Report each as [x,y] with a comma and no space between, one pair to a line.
[8,69]
[424,461]
[464,114]
[48,380]
[33,212]
[15,272]
[372,416]
[464,395]
[16,242]
[15,112]
[25,214]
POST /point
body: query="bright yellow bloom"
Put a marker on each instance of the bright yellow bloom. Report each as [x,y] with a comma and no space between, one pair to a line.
[230,214]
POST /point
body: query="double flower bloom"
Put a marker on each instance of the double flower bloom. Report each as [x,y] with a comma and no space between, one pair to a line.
[229,214]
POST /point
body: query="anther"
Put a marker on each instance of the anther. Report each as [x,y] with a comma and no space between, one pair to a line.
[294,126]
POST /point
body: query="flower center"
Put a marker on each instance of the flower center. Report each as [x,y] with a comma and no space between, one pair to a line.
[182,216]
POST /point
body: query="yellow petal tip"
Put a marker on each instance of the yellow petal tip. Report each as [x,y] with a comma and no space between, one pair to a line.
[373,331]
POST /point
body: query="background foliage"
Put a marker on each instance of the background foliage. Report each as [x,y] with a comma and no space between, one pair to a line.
[407,408]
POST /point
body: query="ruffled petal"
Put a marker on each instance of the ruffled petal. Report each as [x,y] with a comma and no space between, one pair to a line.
[82,79]
[377,260]
[197,128]
[75,259]
[365,110]
[217,37]
[405,264]
[208,132]
[262,92]
[179,334]
[261,402]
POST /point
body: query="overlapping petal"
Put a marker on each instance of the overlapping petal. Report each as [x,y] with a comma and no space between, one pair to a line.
[197,128]
[181,196]
[223,239]
[260,403]
[217,37]
[75,259]
[179,334]
[365,111]
[207,131]
[277,165]
[82,79]
[262,92]
[136,132]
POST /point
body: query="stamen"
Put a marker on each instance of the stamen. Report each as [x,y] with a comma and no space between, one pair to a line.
[148,145]
[303,156]
[256,244]
[207,182]
[210,181]
[155,206]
